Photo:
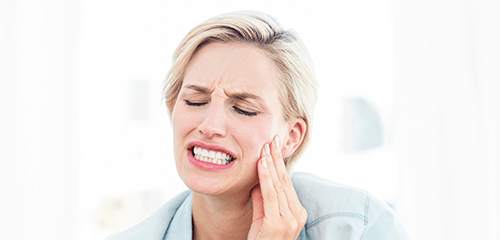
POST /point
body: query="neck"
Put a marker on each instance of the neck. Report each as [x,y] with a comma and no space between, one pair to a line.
[221,217]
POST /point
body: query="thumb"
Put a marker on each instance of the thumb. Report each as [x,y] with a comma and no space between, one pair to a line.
[257,203]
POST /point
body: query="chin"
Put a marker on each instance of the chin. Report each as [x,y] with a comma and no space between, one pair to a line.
[201,184]
[213,183]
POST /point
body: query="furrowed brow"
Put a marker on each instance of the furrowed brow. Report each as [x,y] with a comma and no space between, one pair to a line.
[198,88]
[237,95]
[244,96]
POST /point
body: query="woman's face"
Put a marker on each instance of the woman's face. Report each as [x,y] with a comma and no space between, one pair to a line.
[227,109]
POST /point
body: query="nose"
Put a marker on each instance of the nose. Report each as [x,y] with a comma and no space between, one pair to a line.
[214,122]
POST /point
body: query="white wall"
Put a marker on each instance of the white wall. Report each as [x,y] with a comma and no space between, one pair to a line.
[38,173]
[447,113]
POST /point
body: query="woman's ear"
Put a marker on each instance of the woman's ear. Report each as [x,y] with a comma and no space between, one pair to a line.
[294,137]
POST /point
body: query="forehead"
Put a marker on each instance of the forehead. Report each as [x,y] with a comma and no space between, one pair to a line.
[234,67]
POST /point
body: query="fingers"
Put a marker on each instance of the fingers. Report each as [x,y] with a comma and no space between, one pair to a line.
[274,202]
[283,177]
[276,195]
[297,212]
[268,193]
[277,161]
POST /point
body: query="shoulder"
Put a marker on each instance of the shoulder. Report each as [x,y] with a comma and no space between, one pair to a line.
[321,194]
[155,225]
[325,199]
[343,211]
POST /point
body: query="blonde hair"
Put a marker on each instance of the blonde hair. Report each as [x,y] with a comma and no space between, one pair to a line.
[298,87]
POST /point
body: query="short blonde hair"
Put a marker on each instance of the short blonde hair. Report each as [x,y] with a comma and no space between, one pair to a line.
[298,87]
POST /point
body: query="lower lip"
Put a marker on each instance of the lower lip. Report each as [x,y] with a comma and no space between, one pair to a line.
[206,165]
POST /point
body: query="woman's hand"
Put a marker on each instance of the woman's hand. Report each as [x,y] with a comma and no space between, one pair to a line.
[277,212]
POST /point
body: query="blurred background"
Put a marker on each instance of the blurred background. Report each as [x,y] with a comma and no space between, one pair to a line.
[408,109]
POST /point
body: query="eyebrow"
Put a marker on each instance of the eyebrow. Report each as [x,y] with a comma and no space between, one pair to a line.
[198,88]
[236,95]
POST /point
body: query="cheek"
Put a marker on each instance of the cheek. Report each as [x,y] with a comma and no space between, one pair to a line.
[252,136]
[182,124]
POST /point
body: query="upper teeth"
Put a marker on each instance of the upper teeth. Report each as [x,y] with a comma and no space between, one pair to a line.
[211,156]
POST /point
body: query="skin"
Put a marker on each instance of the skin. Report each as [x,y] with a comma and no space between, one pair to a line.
[229,98]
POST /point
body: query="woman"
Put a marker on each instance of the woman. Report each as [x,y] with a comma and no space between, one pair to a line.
[240,95]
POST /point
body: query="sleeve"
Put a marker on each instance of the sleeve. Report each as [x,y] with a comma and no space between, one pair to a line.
[381,222]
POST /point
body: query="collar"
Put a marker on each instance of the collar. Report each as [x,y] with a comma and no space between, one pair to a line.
[181,226]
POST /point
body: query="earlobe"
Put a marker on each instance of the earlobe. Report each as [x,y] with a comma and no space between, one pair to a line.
[295,136]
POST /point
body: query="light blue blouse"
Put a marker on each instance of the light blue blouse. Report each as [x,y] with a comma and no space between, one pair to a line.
[335,211]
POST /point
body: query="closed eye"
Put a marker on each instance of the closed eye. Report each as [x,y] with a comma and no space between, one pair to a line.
[243,112]
[196,104]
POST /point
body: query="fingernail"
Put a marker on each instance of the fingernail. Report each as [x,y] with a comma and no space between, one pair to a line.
[277,141]
[266,148]
[264,164]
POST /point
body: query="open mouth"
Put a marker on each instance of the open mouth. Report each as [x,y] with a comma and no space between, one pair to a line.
[210,156]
